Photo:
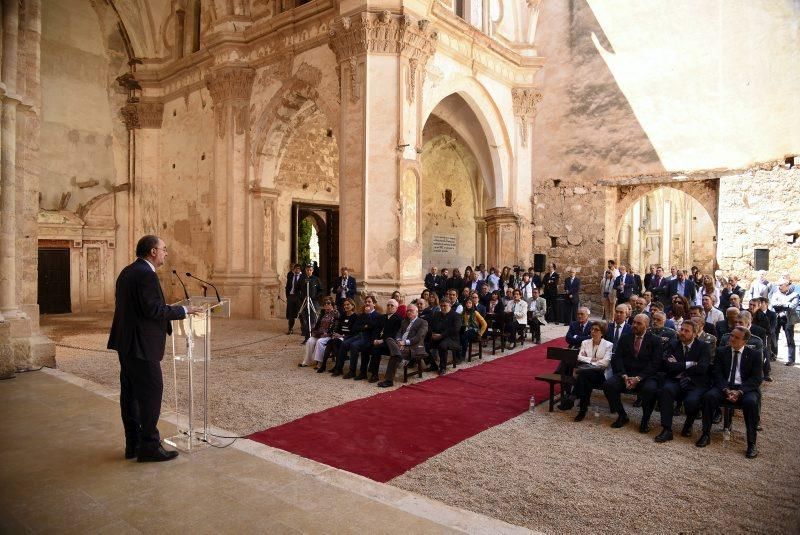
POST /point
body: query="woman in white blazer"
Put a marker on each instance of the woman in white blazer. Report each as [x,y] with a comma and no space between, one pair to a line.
[594,356]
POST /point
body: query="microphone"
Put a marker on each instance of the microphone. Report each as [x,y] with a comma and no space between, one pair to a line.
[185,292]
[205,282]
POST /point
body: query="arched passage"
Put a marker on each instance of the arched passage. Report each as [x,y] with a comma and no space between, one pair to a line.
[666,226]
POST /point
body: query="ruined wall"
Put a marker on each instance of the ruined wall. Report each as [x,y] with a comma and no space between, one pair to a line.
[756,207]
[182,200]
[447,165]
[83,141]
[643,87]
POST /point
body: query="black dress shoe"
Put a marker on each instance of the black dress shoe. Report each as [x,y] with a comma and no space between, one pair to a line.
[385,384]
[442,371]
[304,341]
[686,431]
[320,369]
[373,379]
[360,377]
[768,379]
[336,373]
[621,420]
[788,364]
[566,404]
[644,427]
[348,375]
[664,436]
[752,451]
[432,369]
[131,451]
[703,441]
[580,416]
[156,456]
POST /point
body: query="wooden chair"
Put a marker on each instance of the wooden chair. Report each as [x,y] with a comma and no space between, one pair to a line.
[409,363]
[569,358]
[479,341]
[495,331]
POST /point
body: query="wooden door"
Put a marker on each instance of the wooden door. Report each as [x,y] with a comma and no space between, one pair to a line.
[54,281]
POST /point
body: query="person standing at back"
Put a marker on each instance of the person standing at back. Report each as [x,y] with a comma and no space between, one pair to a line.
[138,333]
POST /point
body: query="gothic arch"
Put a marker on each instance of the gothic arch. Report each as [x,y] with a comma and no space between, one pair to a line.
[705,192]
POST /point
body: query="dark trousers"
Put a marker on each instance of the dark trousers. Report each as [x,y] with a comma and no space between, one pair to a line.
[749,403]
[141,388]
[396,354]
[439,351]
[647,390]
[586,380]
[571,311]
[536,330]
[466,336]
[377,353]
[788,330]
[347,348]
[292,306]
[671,392]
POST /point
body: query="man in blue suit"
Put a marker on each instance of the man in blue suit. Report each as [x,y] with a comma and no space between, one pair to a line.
[343,288]
[682,286]
[624,285]
[579,330]
[619,327]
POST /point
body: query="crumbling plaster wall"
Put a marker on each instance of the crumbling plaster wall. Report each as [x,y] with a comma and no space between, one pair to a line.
[83,141]
[183,196]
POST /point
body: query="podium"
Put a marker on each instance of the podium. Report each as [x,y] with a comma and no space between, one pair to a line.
[191,357]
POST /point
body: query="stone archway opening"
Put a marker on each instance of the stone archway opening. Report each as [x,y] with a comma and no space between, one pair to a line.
[453,189]
[669,227]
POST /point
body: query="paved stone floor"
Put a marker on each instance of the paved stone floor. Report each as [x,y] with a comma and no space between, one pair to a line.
[63,472]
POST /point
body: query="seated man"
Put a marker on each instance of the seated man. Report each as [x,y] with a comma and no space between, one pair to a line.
[445,329]
[657,306]
[538,309]
[407,345]
[723,327]
[620,326]
[579,330]
[634,365]
[686,363]
[452,296]
[696,311]
[391,322]
[371,327]
[713,314]
[736,378]
[755,342]
[660,329]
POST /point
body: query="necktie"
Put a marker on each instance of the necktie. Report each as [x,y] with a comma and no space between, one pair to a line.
[405,334]
[616,334]
[294,283]
[685,351]
[734,366]
[637,344]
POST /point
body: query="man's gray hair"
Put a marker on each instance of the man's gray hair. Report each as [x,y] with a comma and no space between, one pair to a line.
[585,309]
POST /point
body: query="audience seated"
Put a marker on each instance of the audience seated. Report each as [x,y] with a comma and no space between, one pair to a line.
[594,357]
[321,331]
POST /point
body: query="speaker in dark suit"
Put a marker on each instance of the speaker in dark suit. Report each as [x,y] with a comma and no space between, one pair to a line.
[344,287]
[572,287]
[292,296]
[736,377]
[138,333]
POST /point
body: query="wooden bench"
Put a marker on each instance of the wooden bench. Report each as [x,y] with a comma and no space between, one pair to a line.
[568,357]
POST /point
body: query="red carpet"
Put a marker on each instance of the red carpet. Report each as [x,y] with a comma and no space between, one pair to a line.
[385,435]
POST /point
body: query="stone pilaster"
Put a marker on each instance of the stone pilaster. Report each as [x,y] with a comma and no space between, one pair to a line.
[525,100]
[502,237]
[381,59]
[230,86]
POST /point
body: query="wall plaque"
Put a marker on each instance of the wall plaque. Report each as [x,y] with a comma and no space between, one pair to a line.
[443,244]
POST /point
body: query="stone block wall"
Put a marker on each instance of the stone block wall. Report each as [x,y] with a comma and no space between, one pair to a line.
[756,207]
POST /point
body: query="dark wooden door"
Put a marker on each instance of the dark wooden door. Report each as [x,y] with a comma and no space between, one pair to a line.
[54,281]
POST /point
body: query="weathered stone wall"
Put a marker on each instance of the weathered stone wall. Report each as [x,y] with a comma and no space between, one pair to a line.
[756,207]
[448,165]
[82,153]
[180,207]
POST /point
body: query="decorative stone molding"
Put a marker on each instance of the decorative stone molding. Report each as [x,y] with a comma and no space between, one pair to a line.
[524,101]
[142,114]
[383,33]
[230,83]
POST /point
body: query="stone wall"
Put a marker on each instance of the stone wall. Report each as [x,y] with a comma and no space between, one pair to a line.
[757,207]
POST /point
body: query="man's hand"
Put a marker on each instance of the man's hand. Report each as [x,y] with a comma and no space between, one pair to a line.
[436,336]
[376,343]
[193,311]
[672,359]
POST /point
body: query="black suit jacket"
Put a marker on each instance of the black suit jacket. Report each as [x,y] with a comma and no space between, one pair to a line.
[750,369]
[389,326]
[645,364]
[575,335]
[314,287]
[141,317]
[289,280]
[700,352]
[448,325]
[572,286]
[350,286]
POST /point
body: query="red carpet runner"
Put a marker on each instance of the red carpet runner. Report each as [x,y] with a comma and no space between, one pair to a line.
[385,435]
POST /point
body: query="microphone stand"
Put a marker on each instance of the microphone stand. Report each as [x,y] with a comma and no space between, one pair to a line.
[185,291]
[205,282]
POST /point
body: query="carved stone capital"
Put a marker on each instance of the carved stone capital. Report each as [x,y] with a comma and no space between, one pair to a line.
[142,114]
[230,83]
[524,100]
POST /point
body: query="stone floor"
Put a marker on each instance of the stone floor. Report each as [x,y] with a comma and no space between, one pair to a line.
[63,472]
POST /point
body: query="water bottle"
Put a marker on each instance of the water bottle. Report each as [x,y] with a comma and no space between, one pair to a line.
[532,404]
[726,437]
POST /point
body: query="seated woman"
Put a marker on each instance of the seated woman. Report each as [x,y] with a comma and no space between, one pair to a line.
[433,304]
[679,312]
[345,333]
[594,357]
[322,330]
[425,295]
[401,303]
[519,317]
[474,326]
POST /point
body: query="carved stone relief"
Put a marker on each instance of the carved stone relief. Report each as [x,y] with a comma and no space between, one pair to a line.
[524,101]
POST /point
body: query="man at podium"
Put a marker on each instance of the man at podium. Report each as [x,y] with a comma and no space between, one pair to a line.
[138,334]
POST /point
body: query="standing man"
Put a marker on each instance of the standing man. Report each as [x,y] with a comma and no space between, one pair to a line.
[311,289]
[624,285]
[682,286]
[572,287]
[344,288]
[138,334]
[292,296]
[433,282]
[538,310]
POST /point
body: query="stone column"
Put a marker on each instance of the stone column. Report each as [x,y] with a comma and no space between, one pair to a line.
[524,101]
[502,236]
[381,59]
[8,162]
[230,85]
